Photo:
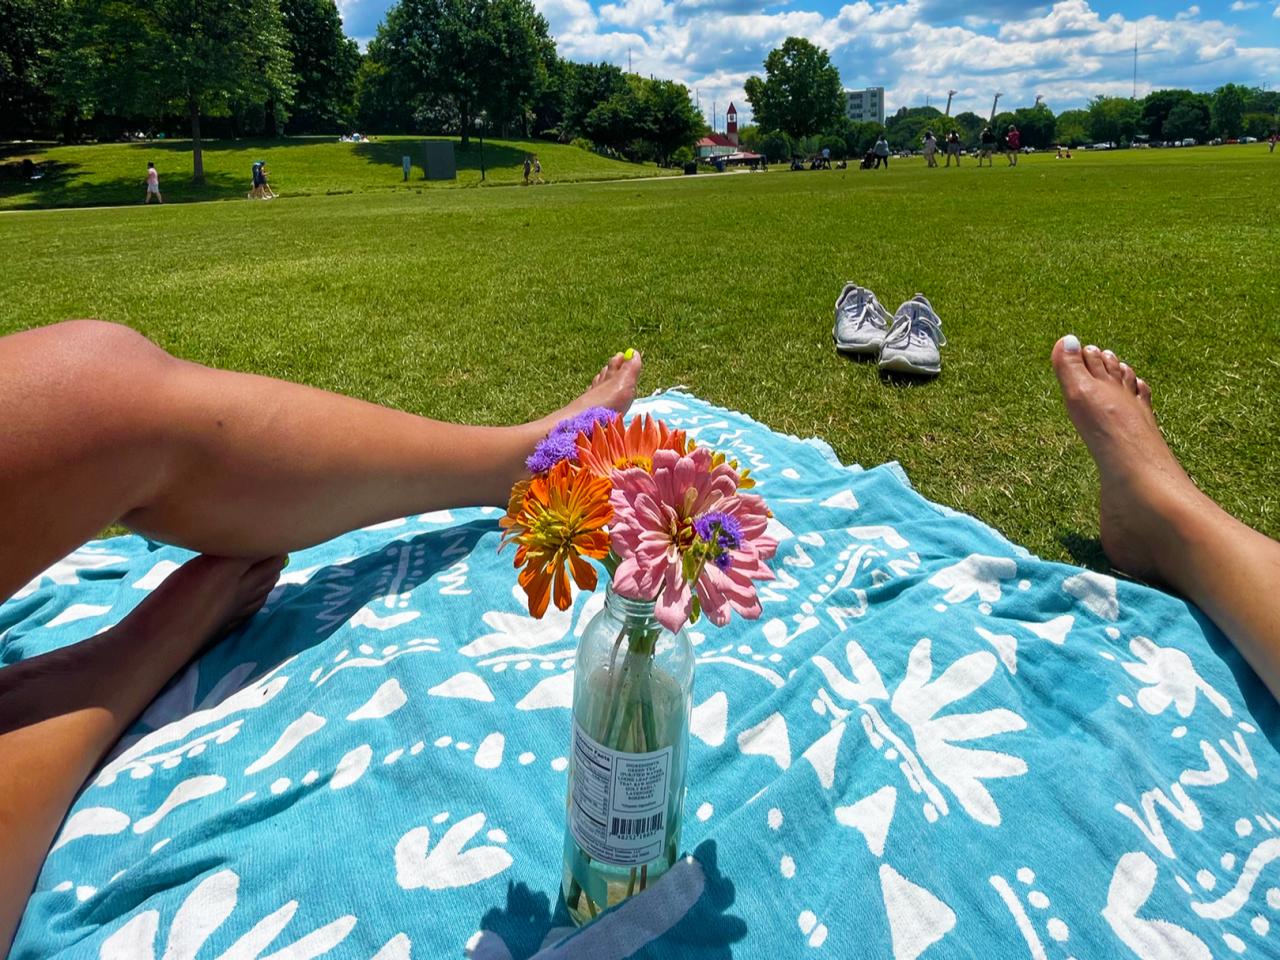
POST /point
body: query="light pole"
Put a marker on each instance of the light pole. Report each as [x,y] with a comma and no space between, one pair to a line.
[480,129]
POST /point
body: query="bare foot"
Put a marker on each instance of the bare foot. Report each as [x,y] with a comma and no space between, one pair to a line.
[1143,485]
[208,597]
[613,387]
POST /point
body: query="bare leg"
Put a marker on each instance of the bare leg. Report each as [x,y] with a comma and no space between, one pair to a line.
[1156,524]
[102,426]
[61,712]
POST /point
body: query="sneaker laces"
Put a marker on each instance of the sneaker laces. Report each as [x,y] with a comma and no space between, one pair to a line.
[915,325]
[860,310]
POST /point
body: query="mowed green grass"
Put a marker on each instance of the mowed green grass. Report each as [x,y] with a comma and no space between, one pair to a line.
[115,174]
[495,305]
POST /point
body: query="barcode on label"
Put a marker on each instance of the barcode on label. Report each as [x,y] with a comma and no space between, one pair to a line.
[627,827]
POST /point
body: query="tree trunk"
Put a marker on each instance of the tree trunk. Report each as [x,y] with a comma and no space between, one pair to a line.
[196,156]
[465,113]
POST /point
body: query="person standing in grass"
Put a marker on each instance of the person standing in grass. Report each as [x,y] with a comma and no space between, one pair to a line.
[987,143]
[1274,136]
[528,166]
[153,184]
[953,147]
[930,149]
[537,170]
[882,152]
[1013,141]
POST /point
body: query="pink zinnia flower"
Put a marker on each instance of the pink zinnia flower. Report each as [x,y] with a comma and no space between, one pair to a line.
[663,556]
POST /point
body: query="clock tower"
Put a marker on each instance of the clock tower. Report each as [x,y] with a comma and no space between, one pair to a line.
[731,124]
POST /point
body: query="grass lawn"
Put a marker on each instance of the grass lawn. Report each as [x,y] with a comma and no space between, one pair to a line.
[495,305]
[114,174]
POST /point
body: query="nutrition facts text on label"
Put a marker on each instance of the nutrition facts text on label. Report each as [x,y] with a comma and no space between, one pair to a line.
[618,801]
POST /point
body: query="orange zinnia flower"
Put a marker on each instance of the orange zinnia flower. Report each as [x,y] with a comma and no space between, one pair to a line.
[556,520]
[615,446]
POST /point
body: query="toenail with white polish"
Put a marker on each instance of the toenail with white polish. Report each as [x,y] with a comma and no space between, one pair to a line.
[1091,349]
[1071,343]
[1108,353]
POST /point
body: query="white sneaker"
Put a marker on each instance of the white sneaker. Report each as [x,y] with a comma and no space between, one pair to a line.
[861,321]
[911,345]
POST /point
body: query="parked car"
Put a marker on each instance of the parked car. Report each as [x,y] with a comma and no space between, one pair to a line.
[1187,142]
[1101,146]
[1248,139]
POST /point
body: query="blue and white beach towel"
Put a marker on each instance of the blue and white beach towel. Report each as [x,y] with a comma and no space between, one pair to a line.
[931,745]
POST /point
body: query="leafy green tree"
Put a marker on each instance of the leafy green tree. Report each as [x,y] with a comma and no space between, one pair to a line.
[1071,127]
[590,84]
[670,119]
[800,93]
[1156,107]
[31,35]
[466,59]
[381,102]
[1036,124]
[1113,119]
[861,136]
[1259,125]
[1189,119]
[1227,109]
[325,62]
[969,125]
[153,57]
[776,146]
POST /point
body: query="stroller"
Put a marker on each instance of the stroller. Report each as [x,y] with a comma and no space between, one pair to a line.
[868,161]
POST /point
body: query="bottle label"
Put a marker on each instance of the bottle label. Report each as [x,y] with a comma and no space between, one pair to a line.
[618,801]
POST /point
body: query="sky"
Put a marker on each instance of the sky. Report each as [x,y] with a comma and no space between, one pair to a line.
[1068,51]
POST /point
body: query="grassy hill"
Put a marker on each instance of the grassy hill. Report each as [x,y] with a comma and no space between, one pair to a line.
[113,173]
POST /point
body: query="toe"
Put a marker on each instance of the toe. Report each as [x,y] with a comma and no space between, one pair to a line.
[1112,364]
[1068,363]
[1144,391]
[1093,361]
[1129,378]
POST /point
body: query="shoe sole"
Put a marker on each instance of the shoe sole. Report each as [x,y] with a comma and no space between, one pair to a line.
[855,348]
[903,365]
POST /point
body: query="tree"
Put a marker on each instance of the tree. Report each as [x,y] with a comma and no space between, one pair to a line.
[476,60]
[29,44]
[800,93]
[1036,124]
[671,120]
[151,57]
[1113,119]
[1189,119]
[970,125]
[776,146]
[325,62]
[1071,127]
[1156,107]
[1228,109]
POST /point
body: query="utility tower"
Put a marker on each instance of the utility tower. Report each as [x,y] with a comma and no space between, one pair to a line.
[950,94]
[993,107]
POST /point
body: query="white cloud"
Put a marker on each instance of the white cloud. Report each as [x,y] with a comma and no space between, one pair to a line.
[1067,51]
[1240,6]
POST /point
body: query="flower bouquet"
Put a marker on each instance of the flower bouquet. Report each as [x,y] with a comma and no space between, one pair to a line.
[671,524]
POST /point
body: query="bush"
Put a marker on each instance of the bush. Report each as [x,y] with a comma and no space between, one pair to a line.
[682,156]
[582,143]
[777,147]
[836,145]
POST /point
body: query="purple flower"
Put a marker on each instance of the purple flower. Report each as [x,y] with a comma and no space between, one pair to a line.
[550,450]
[561,442]
[585,421]
[722,532]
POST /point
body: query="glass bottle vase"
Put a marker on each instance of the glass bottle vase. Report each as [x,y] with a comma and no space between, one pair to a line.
[632,693]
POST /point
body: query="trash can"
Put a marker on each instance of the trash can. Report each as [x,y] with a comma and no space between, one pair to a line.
[690,168]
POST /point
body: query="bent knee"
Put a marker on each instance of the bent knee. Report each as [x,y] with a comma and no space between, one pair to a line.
[101,342]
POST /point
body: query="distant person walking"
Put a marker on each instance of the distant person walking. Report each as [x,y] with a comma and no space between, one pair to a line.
[1013,141]
[1272,147]
[153,183]
[987,143]
[930,149]
[881,151]
[528,167]
[537,169]
[953,147]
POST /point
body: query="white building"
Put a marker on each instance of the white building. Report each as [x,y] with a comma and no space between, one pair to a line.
[866,105]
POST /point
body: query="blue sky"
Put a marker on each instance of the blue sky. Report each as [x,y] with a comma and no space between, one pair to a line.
[917,50]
